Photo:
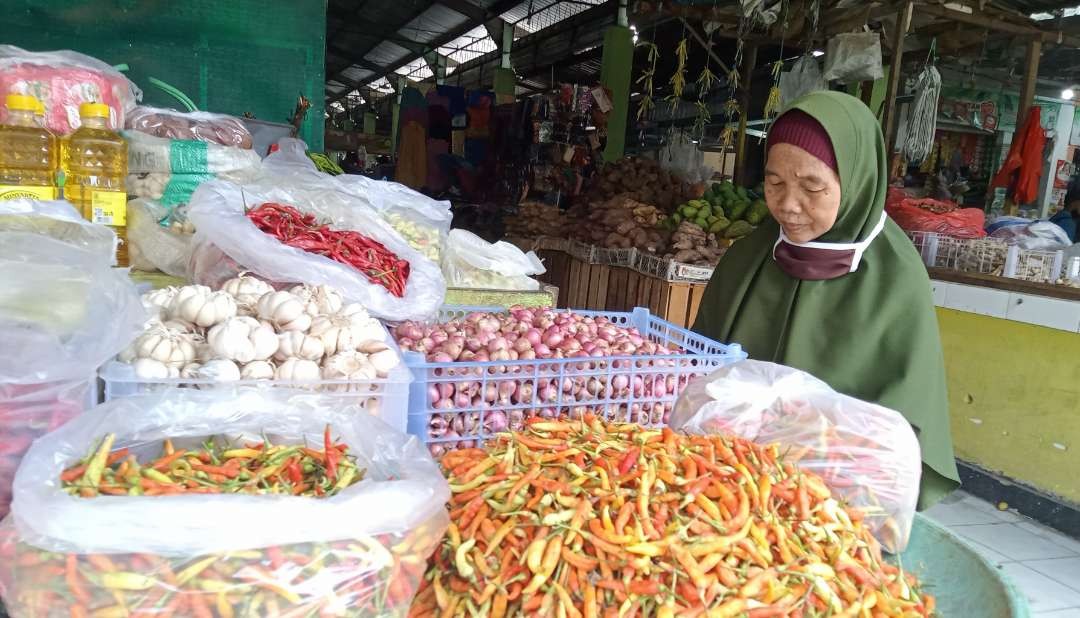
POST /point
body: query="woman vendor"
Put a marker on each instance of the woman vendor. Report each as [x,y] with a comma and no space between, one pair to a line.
[832,286]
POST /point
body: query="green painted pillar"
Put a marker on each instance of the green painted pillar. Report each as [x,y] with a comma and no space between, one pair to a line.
[369,123]
[618,61]
[504,85]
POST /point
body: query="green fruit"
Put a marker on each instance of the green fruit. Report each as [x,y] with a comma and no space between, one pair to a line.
[741,191]
[738,211]
[719,225]
[677,218]
[702,223]
[716,188]
[738,229]
[687,210]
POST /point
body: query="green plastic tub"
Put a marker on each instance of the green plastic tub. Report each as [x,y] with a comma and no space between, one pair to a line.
[966,584]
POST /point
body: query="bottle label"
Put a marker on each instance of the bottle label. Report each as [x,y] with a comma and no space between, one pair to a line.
[109,208]
[16,192]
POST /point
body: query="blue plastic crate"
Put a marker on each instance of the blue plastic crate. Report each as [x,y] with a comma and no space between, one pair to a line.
[618,388]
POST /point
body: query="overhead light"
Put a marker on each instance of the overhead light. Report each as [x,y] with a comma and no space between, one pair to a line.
[817,53]
[635,38]
[1068,94]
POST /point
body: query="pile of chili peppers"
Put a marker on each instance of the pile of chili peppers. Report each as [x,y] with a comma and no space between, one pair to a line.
[370,576]
[583,519]
[303,231]
[216,468]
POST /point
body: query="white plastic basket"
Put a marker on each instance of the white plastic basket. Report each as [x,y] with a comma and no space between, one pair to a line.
[677,271]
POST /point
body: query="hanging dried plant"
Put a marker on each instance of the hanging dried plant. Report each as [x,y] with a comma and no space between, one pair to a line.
[772,104]
[645,106]
[702,119]
[678,78]
[646,81]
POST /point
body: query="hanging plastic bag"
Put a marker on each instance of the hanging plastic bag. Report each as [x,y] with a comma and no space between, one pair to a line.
[227,242]
[158,241]
[803,78]
[854,57]
[361,551]
[1032,235]
[472,262]
[868,455]
[63,80]
[198,126]
[682,156]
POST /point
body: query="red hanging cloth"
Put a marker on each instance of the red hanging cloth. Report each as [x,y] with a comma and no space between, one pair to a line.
[1024,164]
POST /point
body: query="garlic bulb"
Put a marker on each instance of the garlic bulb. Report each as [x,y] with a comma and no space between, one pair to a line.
[257,370]
[284,310]
[381,355]
[297,370]
[243,340]
[341,332]
[349,365]
[181,326]
[190,371]
[247,290]
[202,309]
[318,299]
[300,345]
[219,370]
[150,369]
[163,345]
[157,301]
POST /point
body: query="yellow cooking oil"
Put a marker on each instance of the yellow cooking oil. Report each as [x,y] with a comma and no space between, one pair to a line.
[95,162]
[28,152]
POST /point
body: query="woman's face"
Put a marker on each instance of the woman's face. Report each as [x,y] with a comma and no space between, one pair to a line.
[803,194]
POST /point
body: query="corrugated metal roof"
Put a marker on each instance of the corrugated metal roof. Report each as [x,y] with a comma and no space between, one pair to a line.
[386,53]
[534,15]
[355,73]
[1029,7]
[417,70]
[434,21]
[472,44]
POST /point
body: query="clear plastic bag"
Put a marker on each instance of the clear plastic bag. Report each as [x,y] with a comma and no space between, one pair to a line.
[199,126]
[867,454]
[472,262]
[147,153]
[60,221]
[1031,235]
[154,246]
[227,242]
[803,78]
[682,156]
[854,57]
[63,80]
[361,551]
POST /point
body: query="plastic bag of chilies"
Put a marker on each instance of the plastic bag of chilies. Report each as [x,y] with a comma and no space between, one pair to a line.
[360,552]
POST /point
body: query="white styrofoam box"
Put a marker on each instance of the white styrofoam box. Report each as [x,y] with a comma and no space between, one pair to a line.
[1042,311]
[976,299]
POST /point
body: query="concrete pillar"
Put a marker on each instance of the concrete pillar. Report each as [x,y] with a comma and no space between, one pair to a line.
[369,123]
[505,86]
[615,68]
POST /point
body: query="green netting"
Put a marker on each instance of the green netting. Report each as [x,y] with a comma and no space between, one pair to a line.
[229,56]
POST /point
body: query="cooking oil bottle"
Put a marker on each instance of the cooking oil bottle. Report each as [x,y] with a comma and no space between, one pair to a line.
[95,166]
[28,153]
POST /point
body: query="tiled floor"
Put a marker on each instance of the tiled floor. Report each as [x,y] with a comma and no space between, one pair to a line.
[1042,562]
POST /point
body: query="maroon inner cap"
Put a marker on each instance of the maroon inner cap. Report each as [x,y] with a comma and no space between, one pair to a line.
[798,128]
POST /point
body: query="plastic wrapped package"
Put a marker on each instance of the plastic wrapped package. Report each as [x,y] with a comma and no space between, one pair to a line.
[957,223]
[63,80]
[803,78]
[853,57]
[359,552]
[682,156]
[159,241]
[472,262]
[227,243]
[60,221]
[868,454]
[1028,234]
[199,126]
[169,170]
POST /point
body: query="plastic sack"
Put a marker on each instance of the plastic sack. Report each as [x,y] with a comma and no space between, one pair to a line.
[854,57]
[156,241]
[867,454]
[682,156]
[227,242]
[959,223]
[359,552]
[1032,235]
[58,219]
[199,126]
[169,170]
[63,80]
[421,220]
[472,262]
[803,78]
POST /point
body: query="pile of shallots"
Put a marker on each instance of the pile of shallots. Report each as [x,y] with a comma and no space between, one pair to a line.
[247,330]
[471,402]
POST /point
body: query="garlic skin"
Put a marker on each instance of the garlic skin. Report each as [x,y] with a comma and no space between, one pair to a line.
[181,326]
[297,370]
[300,345]
[157,302]
[150,369]
[318,299]
[190,371]
[219,370]
[162,344]
[203,310]
[247,290]
[242,339]
[341,332]
[257,370]
[284,310]
[349,365]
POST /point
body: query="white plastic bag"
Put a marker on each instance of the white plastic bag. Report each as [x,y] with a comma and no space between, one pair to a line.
[854,57]
[472,262]
[1031,235]
[154,246]
[803,78]
[227,242]
[682,156]
[147,153]
[364,548]
[867,454]
[60,221]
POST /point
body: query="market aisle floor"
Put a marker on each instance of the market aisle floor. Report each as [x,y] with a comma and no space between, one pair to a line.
[1042,562]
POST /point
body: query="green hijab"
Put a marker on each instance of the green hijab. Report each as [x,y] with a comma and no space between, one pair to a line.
[871,334]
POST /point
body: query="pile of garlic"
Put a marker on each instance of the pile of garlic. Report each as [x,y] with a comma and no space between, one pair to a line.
[247,330]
